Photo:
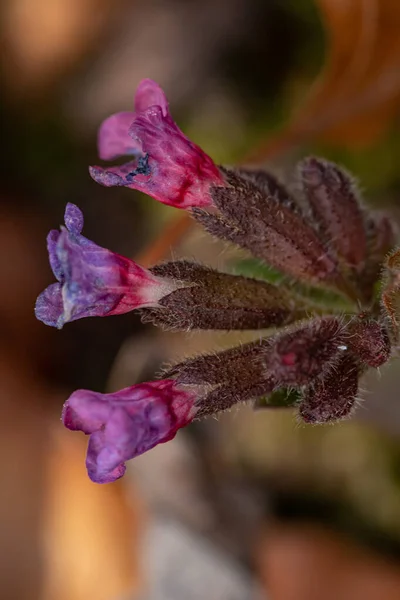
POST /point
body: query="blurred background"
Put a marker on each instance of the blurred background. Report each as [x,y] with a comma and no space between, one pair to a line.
[252,506]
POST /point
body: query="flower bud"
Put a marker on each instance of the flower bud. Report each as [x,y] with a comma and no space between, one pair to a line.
[381,238]
[334,205]
[332,398]
[368,340]
[305,353]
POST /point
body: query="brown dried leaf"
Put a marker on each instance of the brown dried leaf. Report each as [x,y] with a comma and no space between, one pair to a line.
[362,75]
[357,94]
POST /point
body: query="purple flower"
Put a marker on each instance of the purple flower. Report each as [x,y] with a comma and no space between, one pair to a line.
[92,281]
[127,423]
[167,165]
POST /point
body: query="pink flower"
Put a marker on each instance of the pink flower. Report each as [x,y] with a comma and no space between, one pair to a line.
[167,165]
[127,423]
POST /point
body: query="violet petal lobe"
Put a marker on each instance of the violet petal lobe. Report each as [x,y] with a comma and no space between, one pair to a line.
[55,264]
[122,174]
[85,411]
[127,423]
[73,218]
[99,453]
[49,306]
[113,176]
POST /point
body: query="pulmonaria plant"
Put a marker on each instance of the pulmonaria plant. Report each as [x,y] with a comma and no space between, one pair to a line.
[325,300]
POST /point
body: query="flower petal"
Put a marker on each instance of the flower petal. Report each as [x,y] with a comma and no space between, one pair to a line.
[181,173]
[49,306]
[73,218]
[54,261]
[149,93]
[85,411]
[113,137]
[122,175]
[98,282]
[98,461]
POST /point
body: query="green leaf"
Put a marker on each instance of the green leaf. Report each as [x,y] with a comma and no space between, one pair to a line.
[315,297]
[251,267]
[329,299]
[282,398]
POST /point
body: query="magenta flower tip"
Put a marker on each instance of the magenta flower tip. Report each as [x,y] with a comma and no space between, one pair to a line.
[127,423]
[149,93]
[113,137]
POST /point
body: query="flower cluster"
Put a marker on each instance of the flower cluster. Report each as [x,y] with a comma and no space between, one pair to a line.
[318,256]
